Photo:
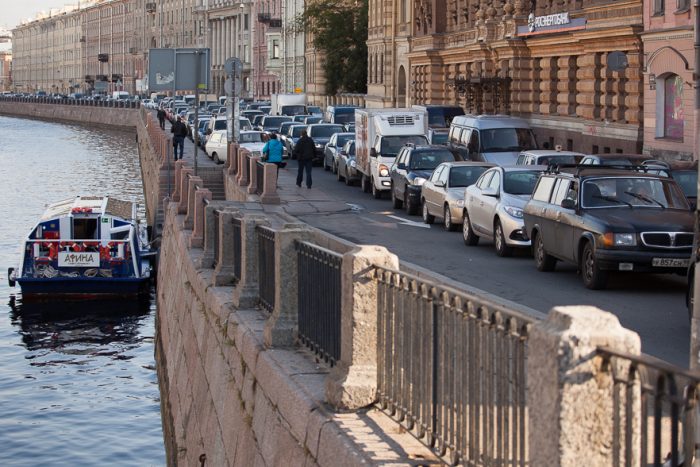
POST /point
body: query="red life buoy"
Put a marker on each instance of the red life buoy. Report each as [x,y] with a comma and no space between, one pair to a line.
[91,246]
[77,247]
[53,250]
[105,253]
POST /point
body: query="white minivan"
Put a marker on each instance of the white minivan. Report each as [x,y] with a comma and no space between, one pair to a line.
[497,139]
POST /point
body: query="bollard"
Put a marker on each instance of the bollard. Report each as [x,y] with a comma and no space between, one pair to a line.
[269,192]
[201,198]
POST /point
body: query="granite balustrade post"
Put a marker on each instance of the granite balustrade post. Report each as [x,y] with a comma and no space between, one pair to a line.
[569,394]
[245,294]
[211,234]
[201,198]
[243,176]
[193,184]
[269,194]
[253,174]
[185,175]
[282,326]
[179,165]
[224,269]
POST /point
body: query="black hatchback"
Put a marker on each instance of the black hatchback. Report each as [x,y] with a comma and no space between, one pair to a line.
[606,219]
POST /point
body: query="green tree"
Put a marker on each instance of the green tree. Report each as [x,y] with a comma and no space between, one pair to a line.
[339,29]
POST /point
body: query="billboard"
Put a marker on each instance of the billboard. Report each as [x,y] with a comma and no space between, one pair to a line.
[176,69]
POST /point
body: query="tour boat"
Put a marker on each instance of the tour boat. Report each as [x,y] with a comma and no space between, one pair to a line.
[86,247]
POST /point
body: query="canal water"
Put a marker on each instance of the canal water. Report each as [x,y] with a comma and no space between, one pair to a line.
[78,384]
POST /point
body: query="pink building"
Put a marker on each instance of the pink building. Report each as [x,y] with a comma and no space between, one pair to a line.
[669,123]
[266,48]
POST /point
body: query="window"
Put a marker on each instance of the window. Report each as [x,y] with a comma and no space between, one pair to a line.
[671,98]
[275,48]
[485,179]
[436,175]
[455,132]
[543,189]
[560,191]
[495,182]
[682,6]
[659,7]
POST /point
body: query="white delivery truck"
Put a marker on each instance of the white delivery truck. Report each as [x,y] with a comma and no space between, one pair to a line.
[379,135]
[288,104]
[120,95]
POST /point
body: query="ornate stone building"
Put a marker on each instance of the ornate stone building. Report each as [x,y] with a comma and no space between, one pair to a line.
[669,120]
[550,62]
[5,71]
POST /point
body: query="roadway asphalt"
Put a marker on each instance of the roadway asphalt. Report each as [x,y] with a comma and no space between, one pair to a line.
[653,305]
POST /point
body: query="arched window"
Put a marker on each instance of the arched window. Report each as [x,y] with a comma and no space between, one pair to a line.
[669,107]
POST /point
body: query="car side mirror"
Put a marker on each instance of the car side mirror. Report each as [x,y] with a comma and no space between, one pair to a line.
[440,183]
[401,166]
[343,153]
[372,152]
[568,203]
[489,191]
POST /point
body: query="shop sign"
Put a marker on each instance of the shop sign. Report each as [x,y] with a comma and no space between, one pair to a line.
[557,22]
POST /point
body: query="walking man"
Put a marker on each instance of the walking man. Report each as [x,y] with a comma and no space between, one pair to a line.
[161,117]
[304,151]
[179,131]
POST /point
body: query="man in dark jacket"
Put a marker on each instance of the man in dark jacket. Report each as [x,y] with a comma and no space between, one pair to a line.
[161,117]
[179,131]
[304,151]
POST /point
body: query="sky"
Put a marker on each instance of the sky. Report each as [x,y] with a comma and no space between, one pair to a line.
[13,11]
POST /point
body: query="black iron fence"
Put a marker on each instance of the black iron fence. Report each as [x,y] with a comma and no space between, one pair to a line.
[259,177]
[237,249]
[658,399]
[451,368]
[266,266]
[319,300]
[122,104]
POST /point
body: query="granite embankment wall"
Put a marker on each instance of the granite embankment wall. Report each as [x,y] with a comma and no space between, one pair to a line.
[104,116]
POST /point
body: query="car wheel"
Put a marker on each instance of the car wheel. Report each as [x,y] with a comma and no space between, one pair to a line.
[325,167]
[447,219]
[411,208]
[364,183]
[348,182]
[377,194]
[395,202]
[499,240]
[470,238]
[593,277]
[215,156]
[427,218]
[338,176]
[543,261]
[334,168]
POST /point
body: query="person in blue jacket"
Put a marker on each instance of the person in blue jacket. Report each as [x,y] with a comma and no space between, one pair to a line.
[272,151]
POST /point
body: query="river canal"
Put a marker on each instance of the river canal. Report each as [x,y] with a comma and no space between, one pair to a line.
[78,384]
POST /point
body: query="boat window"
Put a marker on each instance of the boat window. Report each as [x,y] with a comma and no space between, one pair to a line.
[84,229]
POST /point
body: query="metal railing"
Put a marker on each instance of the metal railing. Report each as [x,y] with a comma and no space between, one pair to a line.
[451,367]
[237,249]
[319,300]
[130,104]
[259,177]
[656,398]
[266,266]
[217,219]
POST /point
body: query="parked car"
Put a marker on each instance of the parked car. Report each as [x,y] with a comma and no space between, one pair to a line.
[315,111]
[272,123]
[493,207]
[606,219]
[497,139]
[253,141]
[685,173]
[257,119]
[216,146]
[300,118]
[548,156]
[313,119]
[332,150]
[613,159]
[251,114]
[347,166]
[442,194]
[321,133]
[412,167]
[291,138]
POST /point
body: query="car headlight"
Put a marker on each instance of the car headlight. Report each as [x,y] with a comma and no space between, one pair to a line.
[513,211]
[460,203]
[619,239]
[383,170]
[418,181]
[318,146]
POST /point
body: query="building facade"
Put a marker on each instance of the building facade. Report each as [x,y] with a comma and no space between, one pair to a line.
[669,98]
[6,71]
[573,69]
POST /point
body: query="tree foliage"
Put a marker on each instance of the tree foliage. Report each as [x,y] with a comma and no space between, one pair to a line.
[339,30]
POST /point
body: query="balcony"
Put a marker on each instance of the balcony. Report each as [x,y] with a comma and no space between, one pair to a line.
[103,57]
[150,7]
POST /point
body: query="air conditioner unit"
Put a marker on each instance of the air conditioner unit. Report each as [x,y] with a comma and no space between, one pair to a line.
[151,7]
[102,57]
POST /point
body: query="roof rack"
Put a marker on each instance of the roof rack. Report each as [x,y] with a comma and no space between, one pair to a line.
[555,168]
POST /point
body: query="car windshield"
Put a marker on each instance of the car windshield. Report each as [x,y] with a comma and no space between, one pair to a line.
[342,139]
[429,160]
[296,131]
[300,118]
[293,109]
[442,116]
[629,192]
[325,131]
[439,138]
[465,176]
[520,182]
[507,140]
[351,149]
[314,109]
[687,180]
[220,125]
[391,145]
[344,116]
[274,122]
[251,138]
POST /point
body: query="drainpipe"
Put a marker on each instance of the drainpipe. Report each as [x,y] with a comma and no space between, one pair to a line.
[695,318]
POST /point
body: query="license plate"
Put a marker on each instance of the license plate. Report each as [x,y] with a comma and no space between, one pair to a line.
[670,262]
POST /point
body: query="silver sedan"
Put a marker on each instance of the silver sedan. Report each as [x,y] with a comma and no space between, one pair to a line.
[443,193]
[493,206]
